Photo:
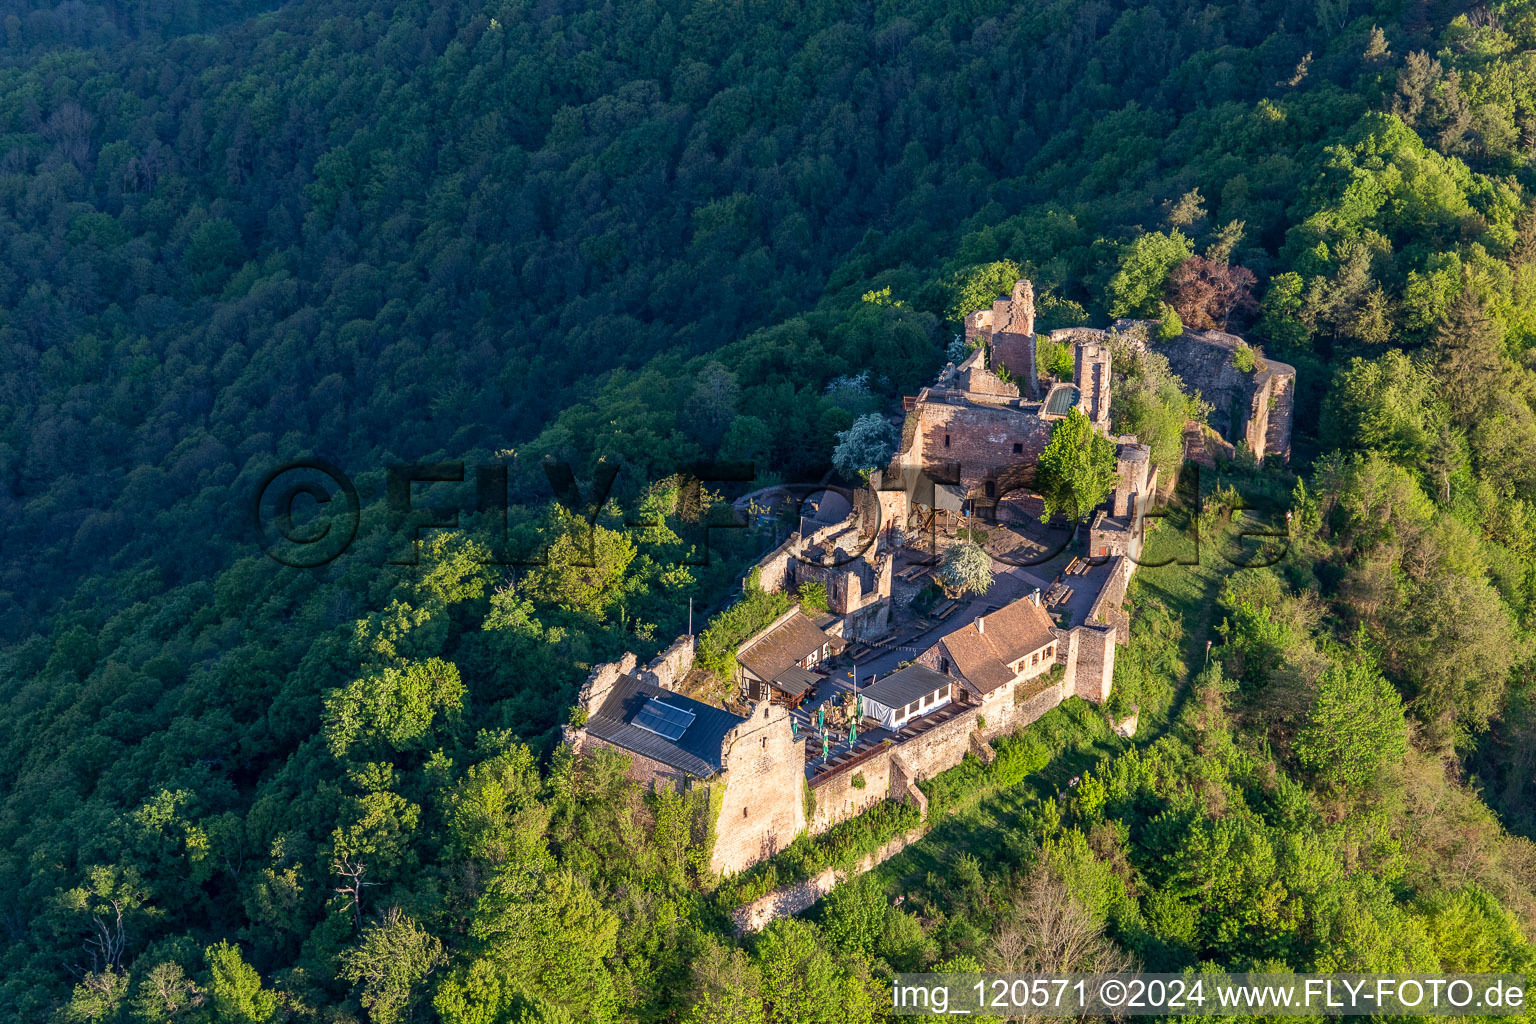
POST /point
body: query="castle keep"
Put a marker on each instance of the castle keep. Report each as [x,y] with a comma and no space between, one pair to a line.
[807,746]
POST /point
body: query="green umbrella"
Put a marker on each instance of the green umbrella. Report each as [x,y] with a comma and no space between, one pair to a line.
[821,718]
[853,733]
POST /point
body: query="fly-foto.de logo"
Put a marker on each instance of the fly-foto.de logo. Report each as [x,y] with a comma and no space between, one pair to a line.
[307,513]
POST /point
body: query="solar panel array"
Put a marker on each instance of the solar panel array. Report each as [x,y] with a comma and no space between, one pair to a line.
[664,720]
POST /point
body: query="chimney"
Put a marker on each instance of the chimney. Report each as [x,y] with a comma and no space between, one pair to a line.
[981,624]
[1036,596]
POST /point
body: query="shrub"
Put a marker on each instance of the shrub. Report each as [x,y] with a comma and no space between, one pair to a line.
[813,597]
[1243,357]
[728,630]
[1019,757]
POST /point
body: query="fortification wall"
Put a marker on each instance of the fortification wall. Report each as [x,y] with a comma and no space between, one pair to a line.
[1079,336]
[670,665]
[1113,594]
[1252,407]
[1281,392]
[923,756]
[1016,354]
[839,797]
[941,747]
[981,440]
[761,805]
[774,567]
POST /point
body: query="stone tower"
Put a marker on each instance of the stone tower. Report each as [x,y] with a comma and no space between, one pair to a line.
[1091,375]
[762,807]
[1009,328]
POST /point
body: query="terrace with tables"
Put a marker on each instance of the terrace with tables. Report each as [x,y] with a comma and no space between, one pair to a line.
[839,753]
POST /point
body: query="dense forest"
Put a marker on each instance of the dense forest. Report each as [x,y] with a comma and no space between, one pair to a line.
[631,236]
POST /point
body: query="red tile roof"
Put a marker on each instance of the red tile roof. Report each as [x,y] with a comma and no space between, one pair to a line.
[981,656]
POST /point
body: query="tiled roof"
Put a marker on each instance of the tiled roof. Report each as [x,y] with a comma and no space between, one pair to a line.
[982,656]
[903,686]
[698,751]
[786,645]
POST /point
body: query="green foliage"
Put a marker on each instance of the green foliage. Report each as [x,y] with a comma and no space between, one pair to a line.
[697,232]
[813,597]
[1052,359]
[853,916]
[584,566]
[397,706]
[1149,401]
[865,446]
[1243,358]
[389,966]
[966,568]
[1354,729]
[1137,287]
[1169,326]
[235,991]
[1077,468]
[977,287]
[727,631]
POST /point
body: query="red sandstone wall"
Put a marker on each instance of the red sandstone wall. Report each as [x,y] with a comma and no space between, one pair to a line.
[762,806]
[981,439]
[838,799]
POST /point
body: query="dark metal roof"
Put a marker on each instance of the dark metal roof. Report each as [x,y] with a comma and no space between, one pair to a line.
[903,686]
[698,751]
[795,680]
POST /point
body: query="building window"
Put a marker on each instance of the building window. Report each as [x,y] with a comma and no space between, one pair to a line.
[1034,659]
[743,812]
[1018,449]
[946,440]
[991,489]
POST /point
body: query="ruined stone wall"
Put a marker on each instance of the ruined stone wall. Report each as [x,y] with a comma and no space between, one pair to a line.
[1113,594]
[975,378]
[981,441]
[890,493]
[1133,465]
[838,798]
[762,808]
[671,665]
[1079,336]
[1281,392]
[1091,371]
[1253,408]
[649,773]
[599,683]
[1016,354]
[774,568]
